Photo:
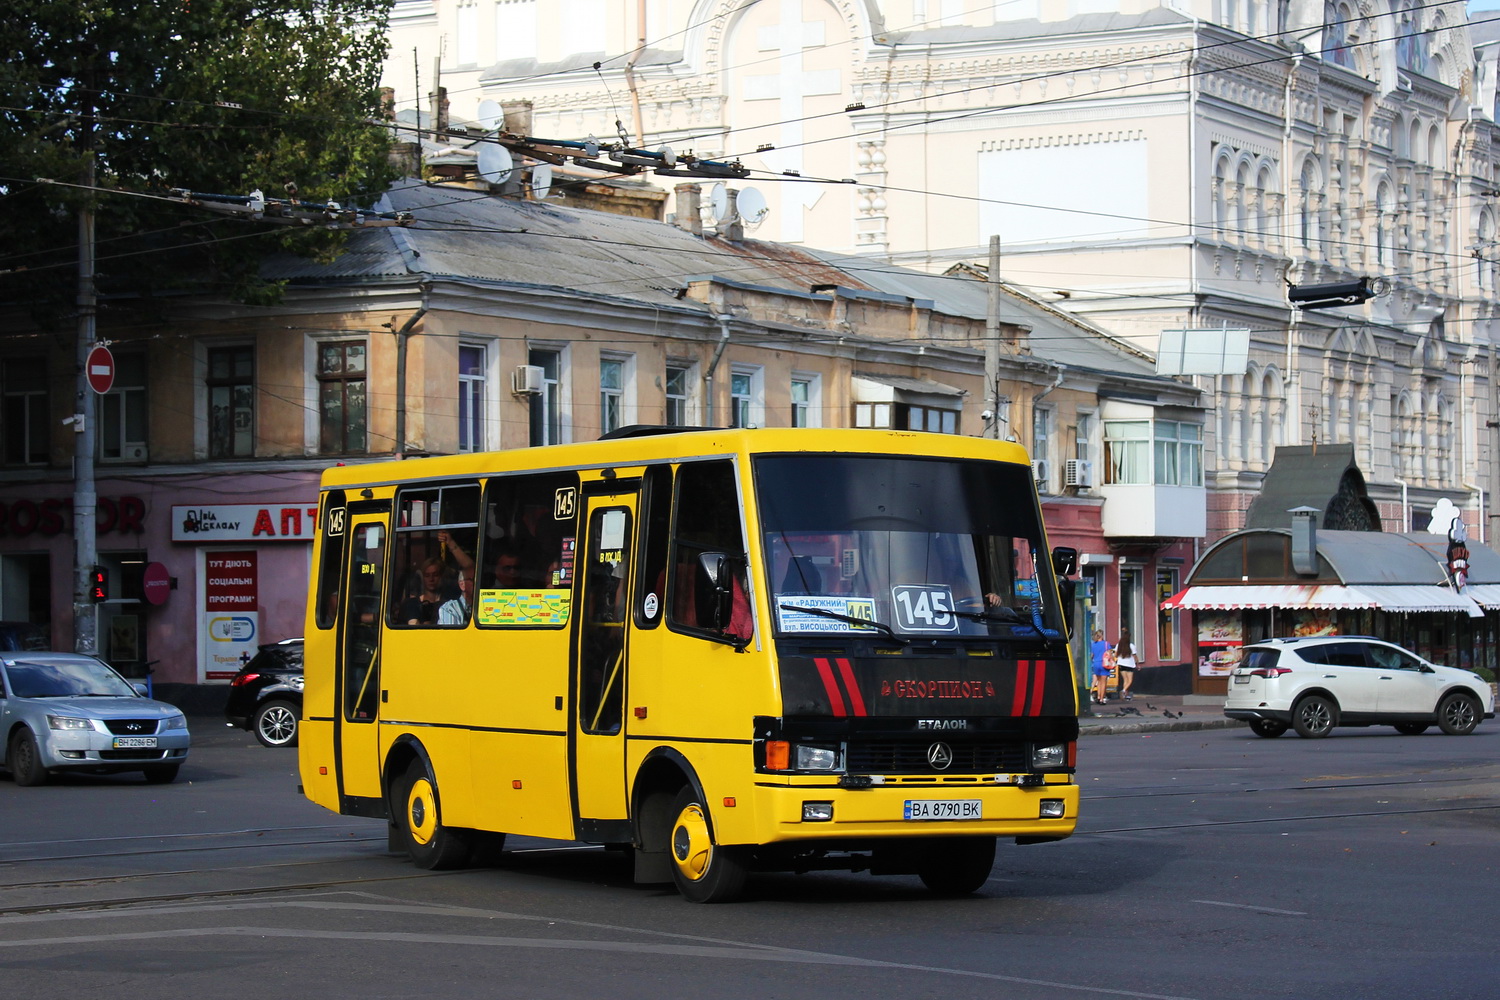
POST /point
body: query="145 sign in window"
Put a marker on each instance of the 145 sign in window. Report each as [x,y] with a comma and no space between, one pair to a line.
[924,608]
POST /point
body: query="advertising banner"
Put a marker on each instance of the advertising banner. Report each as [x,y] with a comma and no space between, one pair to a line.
[231,612]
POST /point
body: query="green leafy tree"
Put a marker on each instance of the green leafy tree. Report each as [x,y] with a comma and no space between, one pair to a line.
[221,96]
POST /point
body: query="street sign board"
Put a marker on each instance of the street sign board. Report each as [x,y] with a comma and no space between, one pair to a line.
[100,369]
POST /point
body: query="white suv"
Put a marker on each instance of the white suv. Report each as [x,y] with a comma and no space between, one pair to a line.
[1314,684]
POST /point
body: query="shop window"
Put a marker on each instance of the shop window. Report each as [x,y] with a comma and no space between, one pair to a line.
[1167,581]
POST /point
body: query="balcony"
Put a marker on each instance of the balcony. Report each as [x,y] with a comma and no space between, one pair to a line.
[1147,511]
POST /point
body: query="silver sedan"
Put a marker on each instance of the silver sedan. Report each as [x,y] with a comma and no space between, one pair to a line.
[71,712]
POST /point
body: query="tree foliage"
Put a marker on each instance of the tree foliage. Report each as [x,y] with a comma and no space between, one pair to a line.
[222,96]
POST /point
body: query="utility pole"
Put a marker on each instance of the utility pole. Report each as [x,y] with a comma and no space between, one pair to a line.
[992,344]
[85,549]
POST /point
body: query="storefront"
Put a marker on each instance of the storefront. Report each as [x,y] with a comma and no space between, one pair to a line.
[198,569]
[1252,585]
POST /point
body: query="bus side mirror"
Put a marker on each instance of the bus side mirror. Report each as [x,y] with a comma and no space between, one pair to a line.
[714,568]
[1064,561]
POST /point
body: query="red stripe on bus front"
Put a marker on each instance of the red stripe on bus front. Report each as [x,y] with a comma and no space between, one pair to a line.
[831,686]
[856,700]
[1036,690]
[1023,667]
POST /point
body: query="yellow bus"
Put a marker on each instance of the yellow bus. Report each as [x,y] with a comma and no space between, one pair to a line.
[726,651]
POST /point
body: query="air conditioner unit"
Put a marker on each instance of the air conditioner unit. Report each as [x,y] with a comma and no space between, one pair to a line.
[1078,472]
[1041,473]
[527,380]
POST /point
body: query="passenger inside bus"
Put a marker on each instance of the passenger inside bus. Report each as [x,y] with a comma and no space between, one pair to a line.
[437,587]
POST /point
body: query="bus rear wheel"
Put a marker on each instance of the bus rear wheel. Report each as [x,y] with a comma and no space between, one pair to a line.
[959,866]
[704,872]
[429,843]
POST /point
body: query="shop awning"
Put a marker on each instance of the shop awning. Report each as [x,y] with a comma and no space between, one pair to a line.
[1398,598]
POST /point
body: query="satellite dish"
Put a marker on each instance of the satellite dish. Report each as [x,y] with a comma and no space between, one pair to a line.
[752,206]
[541,180]
[495,164]
[491,115]
[718,200]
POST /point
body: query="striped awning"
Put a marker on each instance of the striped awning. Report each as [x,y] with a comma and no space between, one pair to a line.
[1398,598]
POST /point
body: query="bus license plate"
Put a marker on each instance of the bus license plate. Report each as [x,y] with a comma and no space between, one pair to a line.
[944,809]
[134,742]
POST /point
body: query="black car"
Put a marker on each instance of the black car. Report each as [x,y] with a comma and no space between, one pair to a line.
[265,697]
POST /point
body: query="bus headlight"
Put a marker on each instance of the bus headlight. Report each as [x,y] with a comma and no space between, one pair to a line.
[806,758]
[1049,757]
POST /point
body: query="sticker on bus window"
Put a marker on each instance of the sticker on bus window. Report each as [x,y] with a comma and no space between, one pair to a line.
[799,613]
[524,607]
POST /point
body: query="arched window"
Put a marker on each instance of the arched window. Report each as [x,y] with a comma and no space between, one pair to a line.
[1447,440]
[1221,195]
[1263,201]
[1309,197]
[1401,437]
[1385,252]
[1241,203]
[1437,152]
[1485,253]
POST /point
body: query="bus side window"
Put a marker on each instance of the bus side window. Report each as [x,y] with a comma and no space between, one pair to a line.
[708,520]
[655,527]
[332,556]
[437,531]
[530,527]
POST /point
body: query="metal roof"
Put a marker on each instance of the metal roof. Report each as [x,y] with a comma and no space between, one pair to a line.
[475,237]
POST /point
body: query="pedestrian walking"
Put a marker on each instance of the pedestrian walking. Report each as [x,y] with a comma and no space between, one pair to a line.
[1099,658]
[1126,659]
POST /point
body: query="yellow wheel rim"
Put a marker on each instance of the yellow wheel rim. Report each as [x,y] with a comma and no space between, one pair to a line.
[692,848]
[421,811]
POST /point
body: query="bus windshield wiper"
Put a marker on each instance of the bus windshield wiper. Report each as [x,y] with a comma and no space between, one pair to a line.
[1004,615]
[881,627]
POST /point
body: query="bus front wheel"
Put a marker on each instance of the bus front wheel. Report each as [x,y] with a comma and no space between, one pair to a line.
[430,843]
[705,872]
[959,866]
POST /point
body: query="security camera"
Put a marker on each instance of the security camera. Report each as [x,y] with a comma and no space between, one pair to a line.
[988,414]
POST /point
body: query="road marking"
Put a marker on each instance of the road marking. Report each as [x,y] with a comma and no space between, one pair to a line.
[1247,906]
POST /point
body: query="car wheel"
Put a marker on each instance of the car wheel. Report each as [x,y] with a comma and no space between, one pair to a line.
[705,872]
[429,843]
[1314,717]
[1269,728]
[161,774]
[1458,714]
[275,724]
[1411,728]
[25,759]
[957,867]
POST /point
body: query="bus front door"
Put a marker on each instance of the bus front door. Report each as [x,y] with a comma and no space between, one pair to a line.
[359,660]
[600,663]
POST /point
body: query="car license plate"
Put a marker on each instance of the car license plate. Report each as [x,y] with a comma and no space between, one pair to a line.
[134,742]
[944,809]
[1242,678]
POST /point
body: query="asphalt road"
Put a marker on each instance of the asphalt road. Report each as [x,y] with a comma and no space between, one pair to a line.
[1208,865]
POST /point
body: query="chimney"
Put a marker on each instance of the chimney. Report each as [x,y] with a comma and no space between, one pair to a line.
[733,227]
[689,214]
[517,116]
[1304,540]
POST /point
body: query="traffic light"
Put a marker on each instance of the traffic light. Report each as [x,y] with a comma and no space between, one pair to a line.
[98,584]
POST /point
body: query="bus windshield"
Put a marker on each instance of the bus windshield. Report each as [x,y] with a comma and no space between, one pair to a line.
[921,548]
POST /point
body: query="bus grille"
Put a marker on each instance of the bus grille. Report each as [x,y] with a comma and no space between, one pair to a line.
[904,757]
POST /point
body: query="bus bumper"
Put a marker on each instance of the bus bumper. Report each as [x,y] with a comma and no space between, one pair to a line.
[809,812]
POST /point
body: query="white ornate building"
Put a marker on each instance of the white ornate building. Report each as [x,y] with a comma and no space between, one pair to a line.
[1153,166]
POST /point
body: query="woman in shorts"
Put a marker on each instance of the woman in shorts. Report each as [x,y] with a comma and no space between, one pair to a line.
[1126,658]
[1099,656]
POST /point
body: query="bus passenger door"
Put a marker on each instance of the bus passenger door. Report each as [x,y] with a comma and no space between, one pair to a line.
[600,663]
[359,659]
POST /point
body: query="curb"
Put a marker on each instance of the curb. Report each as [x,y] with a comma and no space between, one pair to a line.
[1165,726]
